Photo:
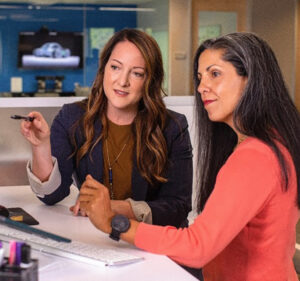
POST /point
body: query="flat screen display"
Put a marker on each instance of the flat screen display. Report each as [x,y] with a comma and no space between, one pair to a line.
[50,50]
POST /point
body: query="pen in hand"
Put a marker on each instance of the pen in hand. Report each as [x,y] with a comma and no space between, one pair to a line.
[26,118]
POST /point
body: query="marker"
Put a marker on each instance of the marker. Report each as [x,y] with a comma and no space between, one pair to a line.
[18,258]
[1,253]
[25,256]
[12,253]
[26,118]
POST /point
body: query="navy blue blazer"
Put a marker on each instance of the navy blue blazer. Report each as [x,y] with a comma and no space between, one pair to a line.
[170,202]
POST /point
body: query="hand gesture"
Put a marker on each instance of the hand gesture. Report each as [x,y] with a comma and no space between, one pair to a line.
[76,210]
[36,132]
[95,202]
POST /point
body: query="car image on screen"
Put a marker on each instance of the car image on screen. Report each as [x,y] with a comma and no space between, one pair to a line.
[52,50]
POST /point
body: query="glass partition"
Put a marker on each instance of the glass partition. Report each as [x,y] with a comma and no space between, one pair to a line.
[41,53]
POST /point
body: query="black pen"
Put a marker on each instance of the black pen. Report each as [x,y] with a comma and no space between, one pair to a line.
[26,118]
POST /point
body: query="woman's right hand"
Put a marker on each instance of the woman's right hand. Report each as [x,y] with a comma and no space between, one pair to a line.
[36,132]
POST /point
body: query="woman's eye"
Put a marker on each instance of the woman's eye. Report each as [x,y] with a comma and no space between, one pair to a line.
[215,73]
[138,74]
[114,67]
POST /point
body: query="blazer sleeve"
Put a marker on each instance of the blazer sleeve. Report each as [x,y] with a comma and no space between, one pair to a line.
[61,149]
[173,201]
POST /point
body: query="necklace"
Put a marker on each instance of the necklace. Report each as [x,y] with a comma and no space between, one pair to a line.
[241,139]
[110,165]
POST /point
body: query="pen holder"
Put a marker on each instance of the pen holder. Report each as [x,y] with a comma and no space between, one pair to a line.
[18,273]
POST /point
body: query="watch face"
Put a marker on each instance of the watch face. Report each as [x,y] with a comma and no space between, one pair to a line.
[120,223]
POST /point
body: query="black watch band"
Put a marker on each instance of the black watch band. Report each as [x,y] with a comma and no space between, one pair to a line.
[115,235]
[119,224]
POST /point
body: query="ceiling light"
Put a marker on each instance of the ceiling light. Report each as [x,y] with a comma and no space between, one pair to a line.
[124,9]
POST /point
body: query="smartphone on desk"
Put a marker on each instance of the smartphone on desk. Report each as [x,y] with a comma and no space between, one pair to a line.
[20,215]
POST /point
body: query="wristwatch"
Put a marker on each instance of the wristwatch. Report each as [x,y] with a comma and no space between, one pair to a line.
[119,224]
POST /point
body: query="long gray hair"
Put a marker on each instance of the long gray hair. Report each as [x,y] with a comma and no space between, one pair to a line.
[265,110]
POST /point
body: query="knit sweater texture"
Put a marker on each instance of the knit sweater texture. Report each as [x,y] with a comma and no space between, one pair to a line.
[247,229]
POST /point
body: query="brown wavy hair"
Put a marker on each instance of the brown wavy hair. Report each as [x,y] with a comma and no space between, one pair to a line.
[149,123]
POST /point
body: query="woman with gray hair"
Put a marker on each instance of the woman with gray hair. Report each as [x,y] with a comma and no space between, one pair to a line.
[249,171]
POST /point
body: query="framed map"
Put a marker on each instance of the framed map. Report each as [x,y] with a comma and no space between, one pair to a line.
[99,37]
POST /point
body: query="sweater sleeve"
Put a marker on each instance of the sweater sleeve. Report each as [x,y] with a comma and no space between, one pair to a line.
[244,184]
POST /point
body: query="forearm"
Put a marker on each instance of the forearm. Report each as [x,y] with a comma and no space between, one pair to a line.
[129,236]
[123,208]
[42,163]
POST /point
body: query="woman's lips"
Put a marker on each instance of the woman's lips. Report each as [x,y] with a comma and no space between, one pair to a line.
[207,102]
[121,93]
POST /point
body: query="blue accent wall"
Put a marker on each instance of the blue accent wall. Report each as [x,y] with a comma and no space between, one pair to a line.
[26,17]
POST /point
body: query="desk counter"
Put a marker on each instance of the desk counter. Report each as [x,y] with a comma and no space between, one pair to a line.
[59,220]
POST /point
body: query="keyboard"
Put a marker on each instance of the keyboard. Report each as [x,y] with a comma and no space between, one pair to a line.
[82,252]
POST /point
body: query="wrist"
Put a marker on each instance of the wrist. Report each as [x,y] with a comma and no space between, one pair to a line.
[42,163]
[42,151]
[42,145]
[122,207]
[108,229]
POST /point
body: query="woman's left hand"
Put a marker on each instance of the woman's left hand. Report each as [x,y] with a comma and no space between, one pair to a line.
[94,200]
[76,210]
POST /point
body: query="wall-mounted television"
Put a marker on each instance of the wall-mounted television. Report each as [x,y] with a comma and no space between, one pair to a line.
[50,50]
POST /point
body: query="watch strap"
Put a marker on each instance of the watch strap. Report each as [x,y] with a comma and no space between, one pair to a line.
[115,235]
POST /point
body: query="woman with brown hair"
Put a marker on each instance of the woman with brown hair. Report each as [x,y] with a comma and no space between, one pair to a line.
[122,135]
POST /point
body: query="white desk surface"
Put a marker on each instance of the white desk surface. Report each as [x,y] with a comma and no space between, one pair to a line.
[59,220]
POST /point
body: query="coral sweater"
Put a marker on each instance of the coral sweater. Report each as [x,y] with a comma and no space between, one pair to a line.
[246,231]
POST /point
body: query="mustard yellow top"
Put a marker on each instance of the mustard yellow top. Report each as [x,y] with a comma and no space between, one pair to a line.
[119,145]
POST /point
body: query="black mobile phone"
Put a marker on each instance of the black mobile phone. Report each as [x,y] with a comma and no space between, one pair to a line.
[20,215]
[18,117]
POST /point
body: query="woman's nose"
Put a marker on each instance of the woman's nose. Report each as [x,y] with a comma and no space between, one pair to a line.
[203,87]
[124,79]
